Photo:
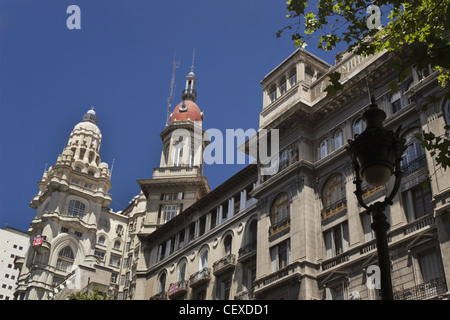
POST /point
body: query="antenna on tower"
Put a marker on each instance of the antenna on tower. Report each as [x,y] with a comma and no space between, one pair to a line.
[175,65]
[193,56]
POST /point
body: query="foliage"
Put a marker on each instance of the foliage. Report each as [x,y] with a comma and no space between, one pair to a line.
[95,295]
[417,29]
[438,146]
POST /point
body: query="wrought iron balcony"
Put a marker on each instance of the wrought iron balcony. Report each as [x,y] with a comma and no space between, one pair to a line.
[247,251]
[280,225]
[200,277]
[428,290]
[414,165]
[334,208]
[226,264]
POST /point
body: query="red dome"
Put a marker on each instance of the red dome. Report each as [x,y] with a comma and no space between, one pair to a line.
[186,110]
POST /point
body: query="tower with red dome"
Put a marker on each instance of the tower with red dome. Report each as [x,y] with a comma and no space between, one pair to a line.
[178,181]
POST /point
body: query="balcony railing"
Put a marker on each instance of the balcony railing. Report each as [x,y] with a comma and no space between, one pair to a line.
[247,251]
[177,289]
[226,264]
[427,290]
[280,225]
[420,223]
[334,208]
[414,165]
[330,263]
[278,277]
[199,278]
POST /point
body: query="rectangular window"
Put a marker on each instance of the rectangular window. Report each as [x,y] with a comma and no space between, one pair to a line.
[396,105]
[181,239]
[202,226]
[114,261]
[336,240]
[213,219]
[99,254]
[192,231]
[429,266]
[170,212]
[279,255]
[422,201]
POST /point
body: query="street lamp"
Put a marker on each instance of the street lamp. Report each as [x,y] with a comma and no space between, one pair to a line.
[376,155]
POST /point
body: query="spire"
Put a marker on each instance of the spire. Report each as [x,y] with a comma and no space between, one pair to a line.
[189,93]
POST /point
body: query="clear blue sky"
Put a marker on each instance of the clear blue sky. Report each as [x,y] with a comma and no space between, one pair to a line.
[122,59]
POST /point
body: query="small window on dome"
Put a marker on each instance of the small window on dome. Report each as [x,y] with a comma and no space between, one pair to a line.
[78,169]
[183,107]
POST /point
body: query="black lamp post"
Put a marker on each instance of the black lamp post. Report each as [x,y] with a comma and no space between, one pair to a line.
[376,155]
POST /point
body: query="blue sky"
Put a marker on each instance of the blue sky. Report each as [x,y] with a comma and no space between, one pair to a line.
[121,59]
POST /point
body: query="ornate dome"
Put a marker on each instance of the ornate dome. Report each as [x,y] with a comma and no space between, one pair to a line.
[186,110]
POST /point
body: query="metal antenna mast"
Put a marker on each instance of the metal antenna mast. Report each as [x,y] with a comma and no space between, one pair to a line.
[175,65]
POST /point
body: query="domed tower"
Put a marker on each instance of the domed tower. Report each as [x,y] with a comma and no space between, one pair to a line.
[178,181]
[72,196]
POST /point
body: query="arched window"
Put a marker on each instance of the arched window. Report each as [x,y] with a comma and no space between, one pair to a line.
[357,127]
[323,149]
[203,262]
[333,195]
[162,283]
[101,240]
[279,213]
[338,140]
[227,244]
[65,259]
[117,244]
[76,209]
[178,154]
[182,271]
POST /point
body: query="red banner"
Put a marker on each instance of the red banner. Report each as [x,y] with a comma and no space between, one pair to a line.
[37,241]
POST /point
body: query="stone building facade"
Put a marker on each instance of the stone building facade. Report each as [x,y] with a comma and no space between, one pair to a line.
[298,233]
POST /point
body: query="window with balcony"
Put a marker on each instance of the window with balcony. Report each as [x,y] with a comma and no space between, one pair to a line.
[414,156]
[280,255]
[280,213]
[203,259]
[422,200]
[333,195]
[76,209]
[162,283]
